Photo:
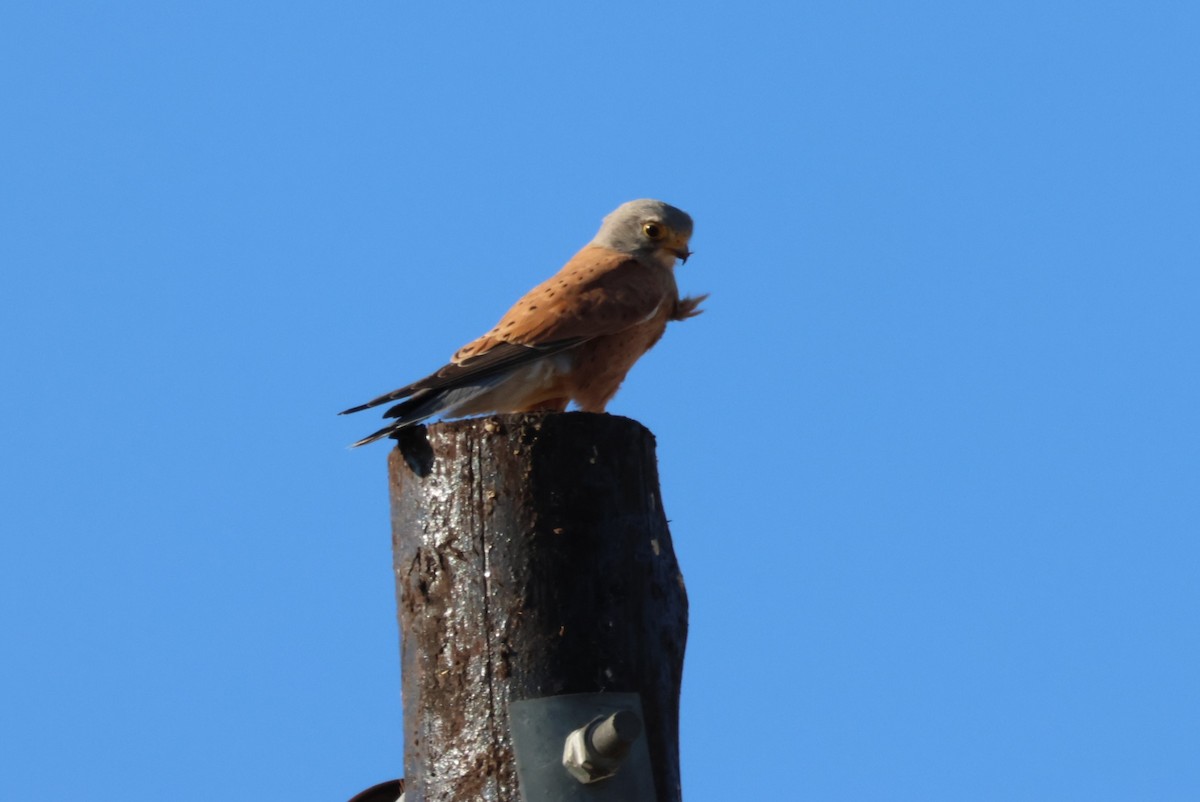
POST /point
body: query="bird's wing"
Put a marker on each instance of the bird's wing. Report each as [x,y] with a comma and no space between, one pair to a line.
[496,360]
[598,292]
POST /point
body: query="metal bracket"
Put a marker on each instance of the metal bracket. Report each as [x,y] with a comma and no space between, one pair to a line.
[583,747]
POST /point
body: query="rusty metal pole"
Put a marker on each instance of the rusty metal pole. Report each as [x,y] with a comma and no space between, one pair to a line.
[532,559]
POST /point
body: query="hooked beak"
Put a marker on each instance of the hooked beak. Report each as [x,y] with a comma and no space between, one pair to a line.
[678,245]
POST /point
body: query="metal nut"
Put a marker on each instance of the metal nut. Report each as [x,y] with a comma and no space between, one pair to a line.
[594,751]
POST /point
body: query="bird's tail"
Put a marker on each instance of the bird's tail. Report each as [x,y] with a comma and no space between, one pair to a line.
[424,404]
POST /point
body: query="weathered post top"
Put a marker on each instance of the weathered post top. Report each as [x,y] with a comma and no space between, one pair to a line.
[532,559]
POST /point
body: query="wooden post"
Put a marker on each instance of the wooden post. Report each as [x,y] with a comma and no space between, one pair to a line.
[532,559]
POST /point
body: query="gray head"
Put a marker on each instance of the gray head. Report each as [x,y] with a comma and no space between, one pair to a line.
[647,228]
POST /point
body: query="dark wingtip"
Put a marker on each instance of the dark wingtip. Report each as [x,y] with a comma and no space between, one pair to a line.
[373,436]
[352,410]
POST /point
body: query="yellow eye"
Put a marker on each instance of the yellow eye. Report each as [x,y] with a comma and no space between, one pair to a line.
[654,231]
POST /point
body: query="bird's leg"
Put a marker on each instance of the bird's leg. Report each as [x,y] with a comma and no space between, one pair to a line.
[687,307]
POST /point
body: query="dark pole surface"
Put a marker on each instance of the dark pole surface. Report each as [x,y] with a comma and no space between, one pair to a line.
[532,559]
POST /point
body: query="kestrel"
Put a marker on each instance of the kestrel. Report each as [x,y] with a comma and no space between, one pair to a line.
[571,338]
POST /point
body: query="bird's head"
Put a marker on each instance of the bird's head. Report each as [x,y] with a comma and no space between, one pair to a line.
[647,228]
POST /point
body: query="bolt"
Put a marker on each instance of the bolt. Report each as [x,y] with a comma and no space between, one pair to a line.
[594,751]
[613,736]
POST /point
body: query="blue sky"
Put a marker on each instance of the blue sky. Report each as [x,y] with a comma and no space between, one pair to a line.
[931,456]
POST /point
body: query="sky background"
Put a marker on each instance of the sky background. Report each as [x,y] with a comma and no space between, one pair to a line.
[931,457]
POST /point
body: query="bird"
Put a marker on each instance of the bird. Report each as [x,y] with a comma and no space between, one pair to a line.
[572,338]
